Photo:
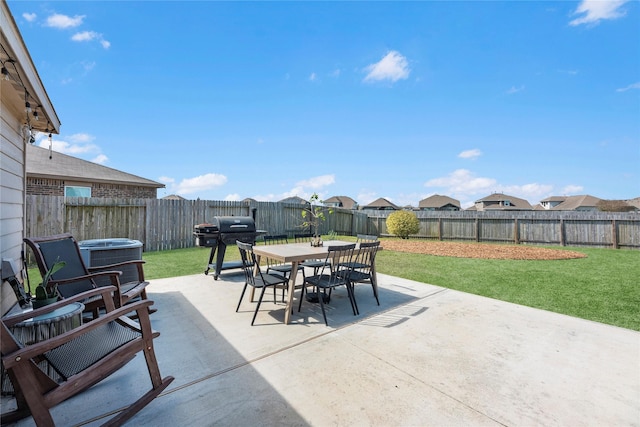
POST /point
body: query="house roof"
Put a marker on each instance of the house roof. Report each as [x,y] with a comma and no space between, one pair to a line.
[342,201]
[173,197]
[554,199]
[515,203]
[62,166]
[380,203]
[574,202]
[438,201]
[294,199]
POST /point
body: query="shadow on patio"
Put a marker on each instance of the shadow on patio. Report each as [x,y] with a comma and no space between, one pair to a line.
[425,356]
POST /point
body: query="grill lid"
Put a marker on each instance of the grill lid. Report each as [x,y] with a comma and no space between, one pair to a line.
[234,224]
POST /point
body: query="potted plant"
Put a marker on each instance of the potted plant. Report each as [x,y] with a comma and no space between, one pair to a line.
[315,213]
[46,294]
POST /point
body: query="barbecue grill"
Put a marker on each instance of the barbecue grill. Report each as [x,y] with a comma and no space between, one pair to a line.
[223,231]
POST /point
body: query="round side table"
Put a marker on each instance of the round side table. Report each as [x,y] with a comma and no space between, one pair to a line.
[40,328]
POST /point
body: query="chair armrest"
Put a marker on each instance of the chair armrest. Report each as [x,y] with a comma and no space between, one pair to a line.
[111,274]
[118,266]
[105,291]
[31,351]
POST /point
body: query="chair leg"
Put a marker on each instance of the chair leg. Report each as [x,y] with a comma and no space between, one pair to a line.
[320,298]
[351,290]
[264,288]
[241,295]
[304,286]
[375,293]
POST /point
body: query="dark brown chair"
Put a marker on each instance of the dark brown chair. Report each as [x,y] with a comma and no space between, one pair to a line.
[75,277]
[81,357]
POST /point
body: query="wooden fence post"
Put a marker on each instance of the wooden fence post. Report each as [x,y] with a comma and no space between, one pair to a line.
[614,234]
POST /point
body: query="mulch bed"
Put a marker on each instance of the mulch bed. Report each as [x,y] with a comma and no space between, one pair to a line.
[479,250]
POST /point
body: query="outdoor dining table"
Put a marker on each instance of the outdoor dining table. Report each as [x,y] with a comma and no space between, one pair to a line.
[295,253]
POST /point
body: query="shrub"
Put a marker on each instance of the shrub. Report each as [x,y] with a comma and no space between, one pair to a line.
[403,224]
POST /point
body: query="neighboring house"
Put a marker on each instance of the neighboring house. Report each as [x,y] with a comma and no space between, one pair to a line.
[295,199]
[173,197]
[577,203]
[17,128]
[502,202]
[57,174]
[380,204]
[552,202]
[439,203]
[341,202]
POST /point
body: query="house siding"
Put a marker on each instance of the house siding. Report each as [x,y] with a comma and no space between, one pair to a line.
[11,196]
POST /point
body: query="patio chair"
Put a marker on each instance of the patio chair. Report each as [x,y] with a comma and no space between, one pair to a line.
[332,275]
[316,264]
[254,276]
[82,357]
[360,238]
[280,268]
[76,277]
[361,269]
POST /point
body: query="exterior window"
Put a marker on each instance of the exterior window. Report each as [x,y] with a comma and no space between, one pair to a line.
[72,191]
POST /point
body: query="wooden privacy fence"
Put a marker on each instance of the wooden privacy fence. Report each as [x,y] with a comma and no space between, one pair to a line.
[168,224]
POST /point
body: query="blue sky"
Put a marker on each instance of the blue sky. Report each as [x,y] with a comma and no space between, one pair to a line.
[402,100]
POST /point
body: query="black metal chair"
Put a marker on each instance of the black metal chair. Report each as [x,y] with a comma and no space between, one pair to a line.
[366,238]
[332,275]
[277,266]
[254,276]
[361,269]
[316,264]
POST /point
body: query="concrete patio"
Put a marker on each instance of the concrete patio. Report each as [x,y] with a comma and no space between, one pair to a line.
[427,356]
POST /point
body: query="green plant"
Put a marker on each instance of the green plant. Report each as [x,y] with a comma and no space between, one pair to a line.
[315,213]
[403,224]
[44,290]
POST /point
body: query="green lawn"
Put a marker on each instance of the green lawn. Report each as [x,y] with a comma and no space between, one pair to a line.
[603,287]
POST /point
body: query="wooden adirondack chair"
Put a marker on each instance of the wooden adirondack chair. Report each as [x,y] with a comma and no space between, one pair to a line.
[82,357]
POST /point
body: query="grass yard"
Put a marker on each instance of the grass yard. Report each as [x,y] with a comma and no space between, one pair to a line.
[603,287]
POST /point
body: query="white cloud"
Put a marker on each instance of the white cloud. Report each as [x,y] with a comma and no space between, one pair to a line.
[84,36]
[514,89]
[232,197]
[313,77]
[593,11]
[100,159]
[462,181]
[87,36]
[365,197]
[166,180]
[200,183]
[631,86]
[530,192]
[470,154]
[393,66]
[29,17]
[303,189]
[571,190]
[317,182]
[58,20]
[335,73]
[77,145]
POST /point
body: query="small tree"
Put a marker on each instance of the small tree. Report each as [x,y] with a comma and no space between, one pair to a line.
[314,214]
[403,224]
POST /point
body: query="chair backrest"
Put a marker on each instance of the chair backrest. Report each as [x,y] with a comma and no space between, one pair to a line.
[248,261]
[276,239]
[336,255]
[61,247]
[302,237]
[366,238]
[366,256]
